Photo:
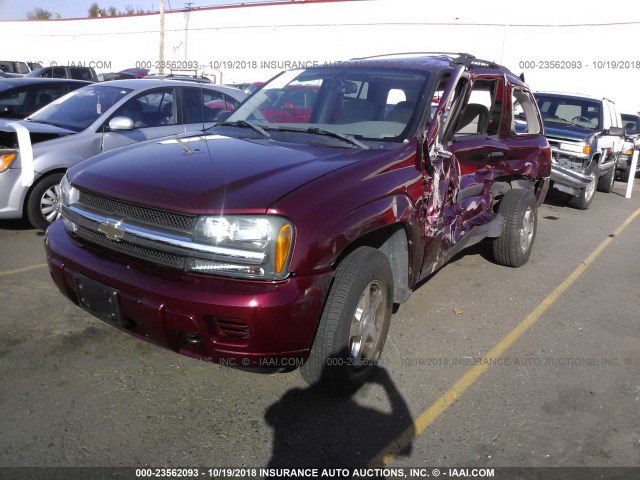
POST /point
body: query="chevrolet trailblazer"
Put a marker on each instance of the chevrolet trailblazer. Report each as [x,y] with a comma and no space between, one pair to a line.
[284,234]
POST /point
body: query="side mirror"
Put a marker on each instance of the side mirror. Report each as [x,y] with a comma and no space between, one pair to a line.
[615,131]
[120,123]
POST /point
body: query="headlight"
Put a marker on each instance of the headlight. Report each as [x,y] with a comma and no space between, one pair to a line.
[253,246]
[68,194]
[7,156]
[570,147]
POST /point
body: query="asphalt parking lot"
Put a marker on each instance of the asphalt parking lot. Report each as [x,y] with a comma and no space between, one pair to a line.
[562,389]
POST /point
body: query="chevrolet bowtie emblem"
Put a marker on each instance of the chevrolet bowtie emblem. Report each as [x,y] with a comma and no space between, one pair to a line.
[112,230]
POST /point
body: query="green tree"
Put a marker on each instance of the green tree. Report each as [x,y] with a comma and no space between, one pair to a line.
[113,11]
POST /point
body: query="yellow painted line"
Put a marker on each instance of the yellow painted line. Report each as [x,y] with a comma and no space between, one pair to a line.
[20,270]
[427,417]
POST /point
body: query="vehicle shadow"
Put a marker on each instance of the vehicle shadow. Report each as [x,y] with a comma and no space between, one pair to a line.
[312,429]
[18,224]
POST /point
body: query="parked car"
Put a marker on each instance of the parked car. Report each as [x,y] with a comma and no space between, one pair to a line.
[631,125]
[136,72]
[268,244]
[586,138]
[90,120]
[107,77]
[78,73]
[14,68]
[20,97]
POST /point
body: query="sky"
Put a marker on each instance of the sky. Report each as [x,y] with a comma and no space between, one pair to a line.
[17,9]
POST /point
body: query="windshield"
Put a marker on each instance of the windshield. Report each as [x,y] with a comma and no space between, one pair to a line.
[80,108]
[631,124]
[363,103]
[579,113]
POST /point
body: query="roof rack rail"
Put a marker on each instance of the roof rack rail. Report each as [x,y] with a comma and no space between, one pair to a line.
[456,58]
[448,54]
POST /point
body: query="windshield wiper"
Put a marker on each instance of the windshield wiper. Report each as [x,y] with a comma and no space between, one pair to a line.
[329,133]
[245,124]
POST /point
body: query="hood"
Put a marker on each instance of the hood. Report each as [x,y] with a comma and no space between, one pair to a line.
[572,134]
[207,174]
[39,132]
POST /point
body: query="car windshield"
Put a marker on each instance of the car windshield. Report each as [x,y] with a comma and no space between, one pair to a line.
[573,112]
[631,124]
[359,103]
[80,108]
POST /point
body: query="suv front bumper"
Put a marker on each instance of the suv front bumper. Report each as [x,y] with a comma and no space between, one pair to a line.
[240,323]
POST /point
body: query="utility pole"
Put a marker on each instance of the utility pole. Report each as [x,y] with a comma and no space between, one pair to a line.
[161,66]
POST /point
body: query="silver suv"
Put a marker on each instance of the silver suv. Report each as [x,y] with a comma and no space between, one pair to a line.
[35,152]
[586,138]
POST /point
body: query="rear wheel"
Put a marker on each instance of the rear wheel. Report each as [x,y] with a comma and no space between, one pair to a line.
[43,204]
[584,199]
[519,209]
[354,323]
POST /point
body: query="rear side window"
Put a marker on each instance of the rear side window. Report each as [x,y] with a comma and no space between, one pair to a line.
[525,119]
[203,106]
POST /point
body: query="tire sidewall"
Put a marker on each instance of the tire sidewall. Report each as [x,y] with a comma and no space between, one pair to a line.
[349,374]
[34,213]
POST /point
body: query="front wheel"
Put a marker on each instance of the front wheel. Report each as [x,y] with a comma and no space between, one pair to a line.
[43,204]
[585,197]
[519,209]
[354,323]
[605,184]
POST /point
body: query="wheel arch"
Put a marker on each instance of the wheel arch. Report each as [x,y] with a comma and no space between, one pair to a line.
[393,241]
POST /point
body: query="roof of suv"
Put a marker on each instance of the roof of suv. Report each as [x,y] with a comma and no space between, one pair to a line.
[429,61]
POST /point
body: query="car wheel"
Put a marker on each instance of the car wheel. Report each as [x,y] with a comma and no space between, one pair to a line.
[43,202]
[605,184]
[520,212]
[354,323]
[584,199]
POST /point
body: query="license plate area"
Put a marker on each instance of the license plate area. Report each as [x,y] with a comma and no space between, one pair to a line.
[98,299]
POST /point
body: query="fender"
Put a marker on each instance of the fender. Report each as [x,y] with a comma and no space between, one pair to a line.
[365,220]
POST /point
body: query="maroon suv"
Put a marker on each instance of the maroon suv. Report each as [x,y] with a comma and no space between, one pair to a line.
[273,240]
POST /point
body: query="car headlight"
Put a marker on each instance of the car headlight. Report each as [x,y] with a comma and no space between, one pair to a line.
[7,156]
[68,194]
[570,147]
[249,246]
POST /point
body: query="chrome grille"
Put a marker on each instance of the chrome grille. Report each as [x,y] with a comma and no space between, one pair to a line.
[137,251]
[152,216]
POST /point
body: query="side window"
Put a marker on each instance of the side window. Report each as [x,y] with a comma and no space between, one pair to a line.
[80,73]
[13,99]
[151,109]
[525,119]
[203,106]
[483,112]
[58,72]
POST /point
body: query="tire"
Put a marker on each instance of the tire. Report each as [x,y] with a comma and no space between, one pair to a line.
[520,211]
[605,184]
[584,199]
[42,201]
[362,290]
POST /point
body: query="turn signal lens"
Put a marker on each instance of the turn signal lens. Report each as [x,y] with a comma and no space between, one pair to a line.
[6,158]
[586,150]
[283,244]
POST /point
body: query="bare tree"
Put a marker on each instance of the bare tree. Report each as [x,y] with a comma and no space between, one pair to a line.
[40,14]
